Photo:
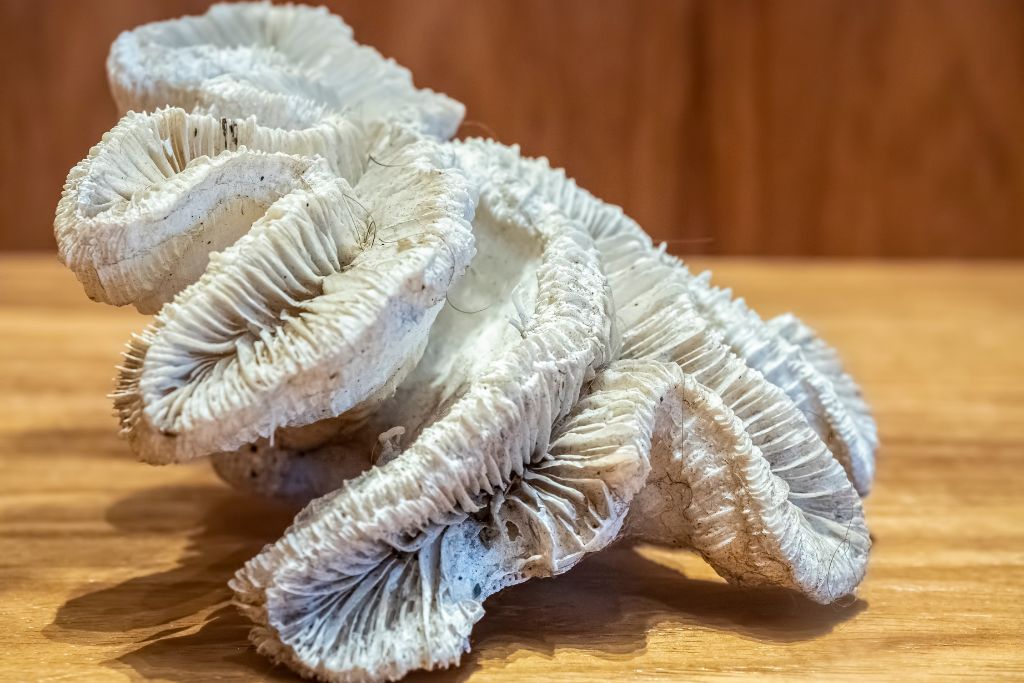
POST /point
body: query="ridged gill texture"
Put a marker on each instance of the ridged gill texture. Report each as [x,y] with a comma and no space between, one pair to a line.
[284,63]
[141,214]
[327,298]
[469,370]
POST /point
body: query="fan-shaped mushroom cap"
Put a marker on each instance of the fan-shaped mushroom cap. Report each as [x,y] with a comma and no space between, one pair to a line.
[140,215]
[847,429]
[502,384]
[318,310]
[299,57]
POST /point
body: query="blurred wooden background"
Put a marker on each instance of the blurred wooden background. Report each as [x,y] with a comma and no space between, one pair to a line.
[806,127]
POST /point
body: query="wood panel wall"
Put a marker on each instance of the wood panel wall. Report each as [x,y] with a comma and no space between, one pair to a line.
[807,127]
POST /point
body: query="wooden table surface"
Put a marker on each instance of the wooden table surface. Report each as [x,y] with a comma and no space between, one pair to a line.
[115,570]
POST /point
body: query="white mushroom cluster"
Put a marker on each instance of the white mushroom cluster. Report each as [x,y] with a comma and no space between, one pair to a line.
[471,371]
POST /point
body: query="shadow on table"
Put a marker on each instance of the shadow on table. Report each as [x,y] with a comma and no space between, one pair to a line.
[158,612]
[604,607]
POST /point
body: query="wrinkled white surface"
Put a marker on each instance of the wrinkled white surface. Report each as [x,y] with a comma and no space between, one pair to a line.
[326,301]
[799,364]
[288,64]
[464,422]
[499,423]
[141,214]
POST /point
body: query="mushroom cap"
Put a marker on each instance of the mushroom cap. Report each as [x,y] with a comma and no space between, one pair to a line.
[317,310]
[491,426]
[300,57]
[141,213]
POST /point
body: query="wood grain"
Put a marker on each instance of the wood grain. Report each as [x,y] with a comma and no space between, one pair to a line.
[873,128]
[113,570]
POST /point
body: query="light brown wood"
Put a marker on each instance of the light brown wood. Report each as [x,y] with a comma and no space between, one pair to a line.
[868,128]
[114,570]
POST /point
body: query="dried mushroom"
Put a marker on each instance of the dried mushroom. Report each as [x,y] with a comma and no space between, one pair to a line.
[470,370]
